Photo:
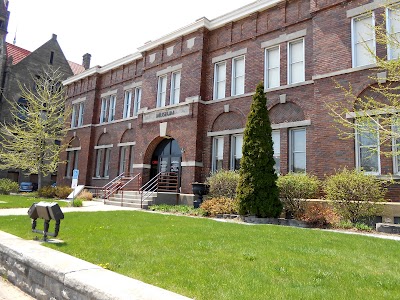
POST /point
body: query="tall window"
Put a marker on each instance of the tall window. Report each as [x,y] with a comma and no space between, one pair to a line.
[219,80]
[217,153]
[296,61]
[107,162]
[107,113]
[138,99]
[127,104]
[102,162]
[162,91]
[396,151]
[272,67]
[276,138]
[238,76]
[72,162]
[363,40]
[236,151]
[367,147]
[126,160]
[393,29]
[99,162]
[175,87]
[77,114]
[297,150]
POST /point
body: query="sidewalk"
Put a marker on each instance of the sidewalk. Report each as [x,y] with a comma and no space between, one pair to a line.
[9,292]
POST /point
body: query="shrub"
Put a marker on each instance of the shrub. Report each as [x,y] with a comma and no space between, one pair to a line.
[257,192]
[355,195]
[86,195]
[219,205]
[223,183]
[7,186]
[77,202]
[47,192]
[319,215]
[62,192]
[294,189]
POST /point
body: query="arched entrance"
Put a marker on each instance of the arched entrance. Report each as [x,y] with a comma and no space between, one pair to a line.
[167,158]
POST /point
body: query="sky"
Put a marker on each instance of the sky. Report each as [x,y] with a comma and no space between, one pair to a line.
[108,30]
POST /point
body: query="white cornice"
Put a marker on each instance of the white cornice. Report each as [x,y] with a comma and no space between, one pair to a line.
[235,15]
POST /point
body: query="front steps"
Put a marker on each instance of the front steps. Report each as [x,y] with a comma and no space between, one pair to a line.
[129,199]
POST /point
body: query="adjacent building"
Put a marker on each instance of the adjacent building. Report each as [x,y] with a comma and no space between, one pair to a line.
[21,65]
[180,103]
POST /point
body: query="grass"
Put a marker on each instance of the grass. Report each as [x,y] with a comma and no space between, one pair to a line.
[24,201]
[205,259]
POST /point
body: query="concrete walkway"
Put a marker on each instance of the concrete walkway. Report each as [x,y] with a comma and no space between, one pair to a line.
[10,292]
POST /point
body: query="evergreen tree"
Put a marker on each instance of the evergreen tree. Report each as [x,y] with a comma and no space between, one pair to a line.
[257,191]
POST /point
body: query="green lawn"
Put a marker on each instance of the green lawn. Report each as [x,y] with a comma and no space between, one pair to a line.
[205,259]
[25,201]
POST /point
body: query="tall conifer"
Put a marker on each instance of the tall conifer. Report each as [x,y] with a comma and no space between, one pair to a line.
[257,191]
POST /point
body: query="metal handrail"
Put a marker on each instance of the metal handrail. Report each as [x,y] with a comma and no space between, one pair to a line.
[129,181]
[112,181]
[109,187]
[148,189]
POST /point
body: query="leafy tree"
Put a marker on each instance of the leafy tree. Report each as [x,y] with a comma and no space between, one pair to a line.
[30,141]
[375,114]
[257,192]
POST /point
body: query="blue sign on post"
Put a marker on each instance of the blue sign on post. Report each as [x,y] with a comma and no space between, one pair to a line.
[75,174]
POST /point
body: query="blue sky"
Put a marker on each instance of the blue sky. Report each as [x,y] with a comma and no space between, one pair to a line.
[106,29]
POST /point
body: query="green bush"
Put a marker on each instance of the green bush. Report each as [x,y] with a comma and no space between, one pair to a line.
[294,189]
[62,192]
[77,202]
[219,205]
[46,192]
[355,195]
[223,183]
[7,186]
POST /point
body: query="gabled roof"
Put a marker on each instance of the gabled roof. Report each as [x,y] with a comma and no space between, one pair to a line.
[19,54]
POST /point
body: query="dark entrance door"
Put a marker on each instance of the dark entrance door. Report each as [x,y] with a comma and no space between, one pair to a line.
[167,158]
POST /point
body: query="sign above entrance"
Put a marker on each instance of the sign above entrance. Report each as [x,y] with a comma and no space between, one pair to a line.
[167,113]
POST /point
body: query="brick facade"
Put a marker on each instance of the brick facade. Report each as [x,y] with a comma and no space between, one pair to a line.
[322,28]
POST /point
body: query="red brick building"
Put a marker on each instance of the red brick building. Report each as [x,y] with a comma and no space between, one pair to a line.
[180,103]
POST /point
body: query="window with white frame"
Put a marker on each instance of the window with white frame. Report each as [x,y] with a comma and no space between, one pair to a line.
[107,112]
[396,150]
[219,80]
[217,153]
[367,147]
[126,159]
[393,29]
[236,151]
[102,162]
[238,71]
[175,88]
[72,162]
[138,99]
[161,91]
[297,148]
[127,104]
[272,67]
[363,40]
[276,138]
[296,61]
[77,114]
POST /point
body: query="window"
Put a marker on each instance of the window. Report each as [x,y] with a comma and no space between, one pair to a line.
[272,67]
[236,151]
[103,162]
[217,153]
[162,91]
[367,147]
[126,160]
[72,162]
[393,29]
[127,104]
[297,149]
[276,138]
[138,99]
[107,113]
[175,87]
[363,40]
[296,61]
[77,114]
[238,76]
[396,150]
[22,108]
[219,80]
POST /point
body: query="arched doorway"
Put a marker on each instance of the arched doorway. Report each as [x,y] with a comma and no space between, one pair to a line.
[166,158]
